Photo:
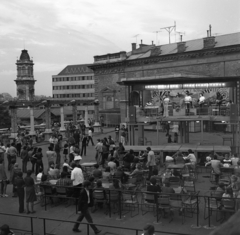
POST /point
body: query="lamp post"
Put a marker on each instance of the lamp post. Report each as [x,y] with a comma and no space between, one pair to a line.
[48,128]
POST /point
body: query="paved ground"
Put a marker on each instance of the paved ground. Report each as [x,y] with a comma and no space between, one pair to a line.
[10,205]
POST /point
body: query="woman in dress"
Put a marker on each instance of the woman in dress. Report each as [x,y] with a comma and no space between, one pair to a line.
[30,192]
[3,179]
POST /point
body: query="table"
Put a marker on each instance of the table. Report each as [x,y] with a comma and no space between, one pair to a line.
[176,166]
[88,164]
[53,182]
[178,189]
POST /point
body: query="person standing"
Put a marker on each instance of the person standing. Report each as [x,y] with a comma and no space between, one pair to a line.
[33,159]
[151,163]
[13,176]
[12,152]
[76,137]
[19,182]
[77,179]
[3,179]
[98,149]
[51,155]
[39,157]
[24,157]
[123,136]
[18,144]
[90,134]
[58,155]
[85,201]
[117,129]
[30,192]
[84,145]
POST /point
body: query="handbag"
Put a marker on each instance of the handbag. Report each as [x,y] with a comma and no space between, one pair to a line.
[7,181]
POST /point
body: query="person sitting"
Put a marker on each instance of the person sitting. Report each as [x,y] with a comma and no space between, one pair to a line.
[148,230]
[226,161]
[190,159]
[64,181]
[167,189]
[219,190]
[99,188]
[228,193]
[53,171]
[39,175]
[137,173]
[143,157]
[97,174]
[156,176]
[154,188]
[234,184]
[5,230]
[116,185]
[112,164]
[66,170]
[237,169]
[166,176]
[128,159]
[119,174]
[134,163]
[106,174]
[235,160]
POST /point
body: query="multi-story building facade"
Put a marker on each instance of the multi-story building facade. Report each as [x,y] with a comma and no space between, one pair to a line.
[75,82]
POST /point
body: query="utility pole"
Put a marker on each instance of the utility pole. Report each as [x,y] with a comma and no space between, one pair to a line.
[169,29]
[136,36]
[157,43]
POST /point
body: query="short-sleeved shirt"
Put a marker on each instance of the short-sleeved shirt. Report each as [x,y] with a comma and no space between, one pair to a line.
[77,176]
[216,166]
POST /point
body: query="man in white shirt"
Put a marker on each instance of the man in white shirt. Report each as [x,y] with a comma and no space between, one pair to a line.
[188,101]
[77,179]
[151,161]
[191,157]
[166,101]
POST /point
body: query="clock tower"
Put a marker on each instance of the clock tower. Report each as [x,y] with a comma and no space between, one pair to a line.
[25,80]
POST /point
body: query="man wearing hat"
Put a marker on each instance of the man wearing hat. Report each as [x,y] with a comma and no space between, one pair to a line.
[5,230]
[85,200]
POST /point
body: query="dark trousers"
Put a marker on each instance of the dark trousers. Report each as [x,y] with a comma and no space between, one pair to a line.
[76,190]
[24,166]
[33,165]
[20,192]
[187,108]
[84,149]
[85,213]
[90,139]
[150,172]
[38,166]
[18,147]
[9,161]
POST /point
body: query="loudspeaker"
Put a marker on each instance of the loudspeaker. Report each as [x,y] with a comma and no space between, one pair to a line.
[234,113]
[132,114]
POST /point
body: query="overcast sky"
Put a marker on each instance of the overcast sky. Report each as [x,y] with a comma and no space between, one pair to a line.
[57,33]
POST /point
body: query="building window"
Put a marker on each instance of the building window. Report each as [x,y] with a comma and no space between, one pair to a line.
[83,78]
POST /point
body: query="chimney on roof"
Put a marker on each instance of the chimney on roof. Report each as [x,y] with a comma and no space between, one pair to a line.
[209,42]
[152,42]
[181,47]
[134,46]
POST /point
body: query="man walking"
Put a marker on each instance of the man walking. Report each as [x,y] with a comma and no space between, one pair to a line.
[85,201]
[84,145]
[19,182]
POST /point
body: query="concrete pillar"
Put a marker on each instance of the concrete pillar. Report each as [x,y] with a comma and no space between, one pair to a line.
[14,127]
[96,117]
[74,113]
[32,128]
[62,128]
[48,128]
[140,134]
[86,116]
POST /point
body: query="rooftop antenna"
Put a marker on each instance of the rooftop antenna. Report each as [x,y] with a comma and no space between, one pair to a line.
[136,36]
[169,29]
[180,35]
[157,42]
[210,30]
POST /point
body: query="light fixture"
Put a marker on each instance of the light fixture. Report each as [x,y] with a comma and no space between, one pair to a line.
[197,121]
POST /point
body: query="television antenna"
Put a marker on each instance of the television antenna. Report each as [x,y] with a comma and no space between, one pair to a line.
[157,42]
[169,29]
[136,36]
[180,35]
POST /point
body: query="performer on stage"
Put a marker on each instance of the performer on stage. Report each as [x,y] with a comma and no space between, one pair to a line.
[166,101]
[219,100]
[201,100]
[188,101]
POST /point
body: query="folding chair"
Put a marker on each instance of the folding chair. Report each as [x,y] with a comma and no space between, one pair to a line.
[130,200]
[148,202]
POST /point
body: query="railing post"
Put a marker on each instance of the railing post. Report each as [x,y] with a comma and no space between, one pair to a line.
[31,225]
[87,229]
[209,214]
[44,227]
[109,203]
[119,199]
[45,201]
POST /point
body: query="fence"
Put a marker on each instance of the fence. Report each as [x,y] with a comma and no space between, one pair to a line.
[136,231]
[187,202]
